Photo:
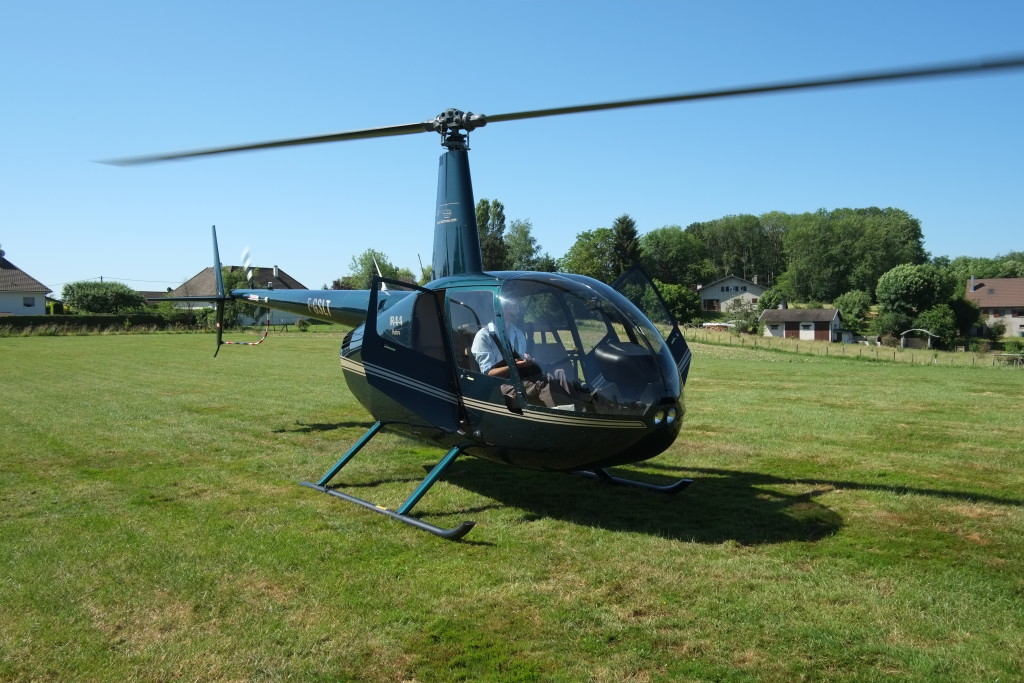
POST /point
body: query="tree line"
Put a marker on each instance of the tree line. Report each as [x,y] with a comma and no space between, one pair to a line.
[868,262]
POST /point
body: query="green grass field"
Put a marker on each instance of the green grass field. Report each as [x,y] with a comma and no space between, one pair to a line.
[850,520]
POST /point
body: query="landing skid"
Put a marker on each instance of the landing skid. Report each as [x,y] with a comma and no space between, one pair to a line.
[401,514]
[602,475]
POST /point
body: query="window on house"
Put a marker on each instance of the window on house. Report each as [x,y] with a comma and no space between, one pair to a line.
[773,327]
[29,302]
[743,288]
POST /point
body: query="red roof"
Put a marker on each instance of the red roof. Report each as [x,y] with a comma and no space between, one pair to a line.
[996,292]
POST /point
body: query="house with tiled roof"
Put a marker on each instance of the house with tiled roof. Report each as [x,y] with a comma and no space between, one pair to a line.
[721,295]
[20,293]
[1000,299]
[821,324]
[204,283]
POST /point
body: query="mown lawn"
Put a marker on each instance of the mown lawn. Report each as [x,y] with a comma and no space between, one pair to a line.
[850,520]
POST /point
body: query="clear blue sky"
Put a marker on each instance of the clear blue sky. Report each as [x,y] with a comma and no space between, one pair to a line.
[84,81]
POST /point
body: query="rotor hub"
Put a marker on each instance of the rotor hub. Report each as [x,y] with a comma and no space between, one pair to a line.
[451,123]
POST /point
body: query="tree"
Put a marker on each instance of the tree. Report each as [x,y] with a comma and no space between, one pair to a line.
[911,289]
[672,255]
[884,239]
[591,255]
[682,301]
[87,296]
[967,314]
[832,252]
[744,245]
[745,315]
[771,298]
[521,248]
[891,324]
[854,307]
[364,268]
[625,245]
[490,225]
[940,321]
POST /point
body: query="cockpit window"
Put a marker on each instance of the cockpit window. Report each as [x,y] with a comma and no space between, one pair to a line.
[592,343]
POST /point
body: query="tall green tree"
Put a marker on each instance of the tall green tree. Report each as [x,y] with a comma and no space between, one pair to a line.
[884,239]
[674,256]
[490,225]
[626,244]
[591,255]
[818,253]
[744,245]
[521,248]
[89,296]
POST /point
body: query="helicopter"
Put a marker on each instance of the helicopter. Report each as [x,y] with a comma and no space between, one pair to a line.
[541,371]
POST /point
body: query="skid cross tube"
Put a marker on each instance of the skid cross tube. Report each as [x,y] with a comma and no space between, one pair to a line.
[402,513]
[604,476]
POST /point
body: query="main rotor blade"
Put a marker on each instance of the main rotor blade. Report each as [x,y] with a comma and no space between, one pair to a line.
[1014,62]
[381,132]
[924,72]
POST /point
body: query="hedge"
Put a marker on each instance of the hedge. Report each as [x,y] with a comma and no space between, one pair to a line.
[88,321]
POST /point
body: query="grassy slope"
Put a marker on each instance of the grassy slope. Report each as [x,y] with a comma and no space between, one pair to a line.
[850,520]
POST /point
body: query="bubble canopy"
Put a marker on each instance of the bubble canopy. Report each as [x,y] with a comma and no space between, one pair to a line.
[595,335]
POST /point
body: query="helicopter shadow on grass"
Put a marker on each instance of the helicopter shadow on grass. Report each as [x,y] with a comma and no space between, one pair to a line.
[718,507]
[310,427]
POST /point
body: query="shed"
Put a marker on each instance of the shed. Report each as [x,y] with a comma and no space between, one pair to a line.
[822,324]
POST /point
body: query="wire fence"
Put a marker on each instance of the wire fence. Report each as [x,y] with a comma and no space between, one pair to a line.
[861,351]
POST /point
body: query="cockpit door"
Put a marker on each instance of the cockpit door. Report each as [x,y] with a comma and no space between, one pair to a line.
[636,286]
[407,355]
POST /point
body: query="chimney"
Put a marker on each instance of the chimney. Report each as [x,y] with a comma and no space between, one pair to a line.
[277,272]
[972,283]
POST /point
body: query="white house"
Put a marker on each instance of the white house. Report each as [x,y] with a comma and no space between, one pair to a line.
[721,295]
[20,293]
[822,324]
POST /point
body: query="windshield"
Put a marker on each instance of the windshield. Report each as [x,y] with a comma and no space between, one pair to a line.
[590,341]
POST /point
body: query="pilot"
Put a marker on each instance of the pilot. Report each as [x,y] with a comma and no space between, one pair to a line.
[487,349]
[544,389]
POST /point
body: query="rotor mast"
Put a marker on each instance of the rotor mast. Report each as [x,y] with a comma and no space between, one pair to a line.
[456,238]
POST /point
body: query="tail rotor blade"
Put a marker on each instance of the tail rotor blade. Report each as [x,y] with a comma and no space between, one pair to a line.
[247,265]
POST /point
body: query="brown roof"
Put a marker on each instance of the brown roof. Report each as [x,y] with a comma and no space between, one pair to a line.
[799,315]
[14,279]
[995,292]
[205,283]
